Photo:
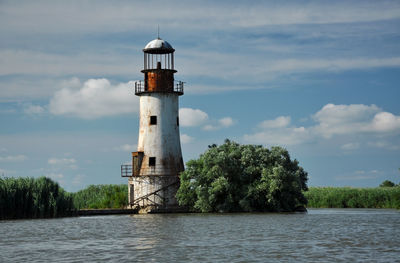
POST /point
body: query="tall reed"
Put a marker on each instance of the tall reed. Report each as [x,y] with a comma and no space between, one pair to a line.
[33,198]
[348,197]
[102,196]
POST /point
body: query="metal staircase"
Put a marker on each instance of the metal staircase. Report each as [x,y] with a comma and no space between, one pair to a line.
[147,197]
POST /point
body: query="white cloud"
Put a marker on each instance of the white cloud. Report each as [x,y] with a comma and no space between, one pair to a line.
[72,83]
[355,177]
[58,177]
[27,88]
[219,124]
[126,148]
[360,175]
[226,122]
[123,59]
[354,118]
[267,69]
[338,12]
[100,58]
[192,117]
[34,109]
[13,158]
[7,111]
[186,138]
[359,172]
[61,161]
[96,98]
[279,122]
[207,64]
[331,120]
[280,136]
[350,146]
[384,145]
[87,62]
[197,88]
[78,16]
[307,65]
[210,127]
[66,181]
[55,176]
[385,122]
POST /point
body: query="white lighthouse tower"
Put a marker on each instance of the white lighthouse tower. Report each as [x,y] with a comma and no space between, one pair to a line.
[154,173]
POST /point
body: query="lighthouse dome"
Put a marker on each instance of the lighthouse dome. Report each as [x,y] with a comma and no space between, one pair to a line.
[158,46]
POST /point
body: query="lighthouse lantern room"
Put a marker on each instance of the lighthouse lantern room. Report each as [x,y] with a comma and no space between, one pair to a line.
[154,172]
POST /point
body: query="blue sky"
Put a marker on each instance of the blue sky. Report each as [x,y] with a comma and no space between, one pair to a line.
[320,78]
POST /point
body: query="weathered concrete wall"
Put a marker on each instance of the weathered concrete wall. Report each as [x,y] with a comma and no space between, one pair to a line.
[144,185]
[96,212]
[161,140]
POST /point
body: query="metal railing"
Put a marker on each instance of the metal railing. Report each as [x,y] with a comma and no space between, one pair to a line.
[126,170]
[178,86]
[146,197]
[140,87]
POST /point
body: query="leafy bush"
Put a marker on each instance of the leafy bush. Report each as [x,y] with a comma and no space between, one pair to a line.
[233,177]
[387,183]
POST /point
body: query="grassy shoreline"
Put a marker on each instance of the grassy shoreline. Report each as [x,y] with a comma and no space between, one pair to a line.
[27,197]
[44,198]
[349,197]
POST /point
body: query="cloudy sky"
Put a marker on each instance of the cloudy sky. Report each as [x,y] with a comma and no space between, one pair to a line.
[319,78]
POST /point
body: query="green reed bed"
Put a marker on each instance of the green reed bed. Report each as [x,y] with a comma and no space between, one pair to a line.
[348,197]
[101,196]
[41,197]
[27,197]
[33,198]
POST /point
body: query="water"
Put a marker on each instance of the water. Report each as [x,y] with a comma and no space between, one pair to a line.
[322,235]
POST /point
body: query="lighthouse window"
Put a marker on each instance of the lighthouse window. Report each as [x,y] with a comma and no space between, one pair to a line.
[153,120]
[152,161]
[177,121]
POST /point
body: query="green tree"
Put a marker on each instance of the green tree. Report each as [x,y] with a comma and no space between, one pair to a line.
[387,183]
[233,177]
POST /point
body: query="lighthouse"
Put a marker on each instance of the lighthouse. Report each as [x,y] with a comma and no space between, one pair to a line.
[153,176]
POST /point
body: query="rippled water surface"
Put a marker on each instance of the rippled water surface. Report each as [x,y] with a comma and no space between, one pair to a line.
[321,235]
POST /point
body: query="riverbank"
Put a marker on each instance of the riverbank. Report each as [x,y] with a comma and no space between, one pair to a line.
[44,198]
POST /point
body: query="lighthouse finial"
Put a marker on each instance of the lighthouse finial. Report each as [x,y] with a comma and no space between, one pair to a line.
[158,32]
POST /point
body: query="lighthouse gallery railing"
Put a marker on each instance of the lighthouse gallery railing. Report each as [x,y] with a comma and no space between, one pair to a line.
[140,87]
[127,171]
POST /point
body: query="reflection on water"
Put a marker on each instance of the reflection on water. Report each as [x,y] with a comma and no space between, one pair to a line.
[322,235]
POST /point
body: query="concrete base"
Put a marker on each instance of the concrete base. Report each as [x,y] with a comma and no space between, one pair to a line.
[162,210]
[151,193]
[96,212]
